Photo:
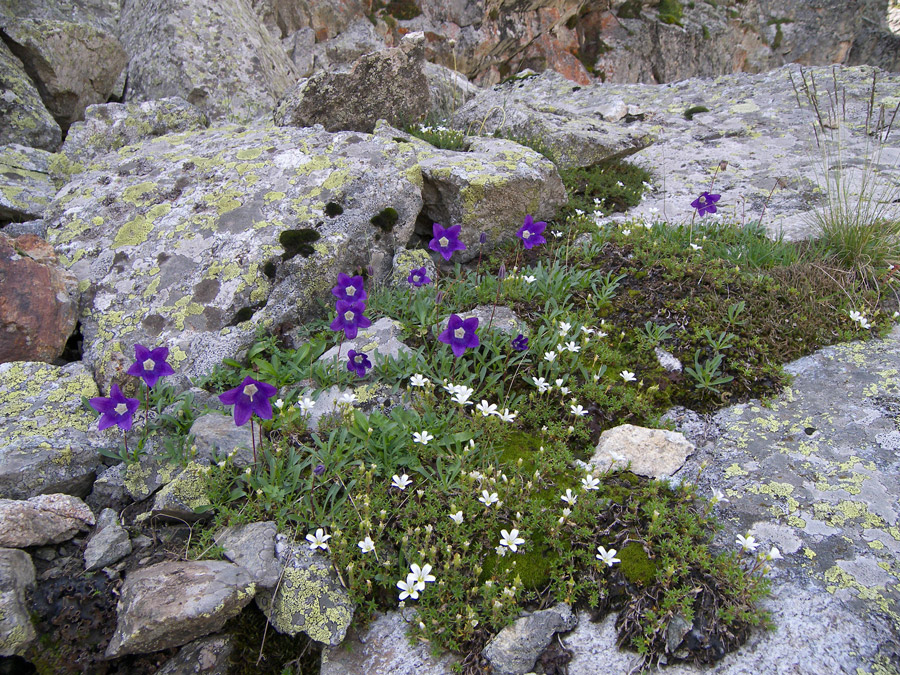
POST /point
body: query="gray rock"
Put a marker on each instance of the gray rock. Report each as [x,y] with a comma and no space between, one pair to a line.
[406,260]
[388,85]
[24,119]
[102,14]
[252,546]
[42,520]
[383,647]
[35,227]
[124,483]
[16,581]
[207,656]
[172,603]
[667,360]
[110,126]
[697,429]
[180,498]
[48,443]
[217,436]
[109,544]
[324,19]
[450,90]
[514,650]
[379,341]
[655,453]
[335,54]
[25,184]
[223,60]
[74,64]
[309,598]
[499,318]
[207,251]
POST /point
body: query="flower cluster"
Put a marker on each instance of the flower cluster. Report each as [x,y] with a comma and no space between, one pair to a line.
[350,307]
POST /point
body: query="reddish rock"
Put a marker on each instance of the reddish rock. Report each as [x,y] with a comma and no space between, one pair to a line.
[38,300]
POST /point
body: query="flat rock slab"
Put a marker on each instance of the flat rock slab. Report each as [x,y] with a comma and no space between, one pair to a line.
[654,453]
[516,648]
[383,647]
[26,187]
[173,603]
[109,543]
[42,520]
[252,546]
[379,341]
[217,437]
[16,580]
[206,656]
[24,119]
[48,442]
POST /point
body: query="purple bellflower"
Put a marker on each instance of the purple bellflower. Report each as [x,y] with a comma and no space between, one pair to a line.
[350,318]
[319,470]
[705,203]
[460,334]
[150,365]
[418,277]
[250,396]
[531,232]
[520,343]
[349,288]
[446,240]
[116,410]
[358,362]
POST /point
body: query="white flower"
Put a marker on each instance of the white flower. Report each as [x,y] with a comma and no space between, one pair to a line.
[488,498]
[559,381]
[564,328]
[400,482]
[541,384]
[457,517]
[856,316]
[410,588]
[421,574]
[747,543]
[486,409]
[626,232]
[566,512]
[347,397]
[572,347]
[569,498]
[718,496]
[557,233]
[587,331]
[628,376]
[318,540]
[306,405]
[511,539]
[590,482]
[279,403]
[550,356]
[529,279]
[609,557]
[419,380]
[695,247]
[620,183]
[501,551]
[564,391]
[422,437]
[508,416]
[577,410]
[774,554]
[461,395]
[366,544]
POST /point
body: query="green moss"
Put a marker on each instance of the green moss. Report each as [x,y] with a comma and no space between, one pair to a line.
[270,268]
[630,10]
[403,10]
[520,445]
[385,219]
[693,110]
[333,209]
[298,242]
[636,564]
[670,12]
[616,184]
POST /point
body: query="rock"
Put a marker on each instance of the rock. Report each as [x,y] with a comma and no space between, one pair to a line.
[406,260]
[489,188]
[25,183]
[181,498]
[208,253]
[654,453]
[223,60]
[324,19]
[16,582]
[102,14]
[504,320]
[24,119]
[697,429]
[252,546]
[309,598]
[450,90]
[38,301]
[42,520]
[381,340]
[35,227]
[121,484]
[216,436]
[514,650]
[111,126]
[109,544]
[73,64]
[667,360]
[207,656]
[48,442]
[383,647]
[171,603]
[388,85]
[335,54]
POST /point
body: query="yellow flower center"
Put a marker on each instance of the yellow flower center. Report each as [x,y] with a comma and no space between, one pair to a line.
[359,358]
[250,390]
[148,364]
[444,242]
[121,409]
[348,316]
[459,333]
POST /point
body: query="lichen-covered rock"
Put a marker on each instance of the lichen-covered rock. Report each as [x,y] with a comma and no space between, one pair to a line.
[217,437]
[383,647]
[42,520]
[207,656]
[121,484]
[110,126]
[379,341]
[102,14]
[38,301]
[655,453]
[323,18]
[26,186]
[180,498]
[172,603]
[109,543]
[16,581]
[389,84]
[48,442]
[499,318]
[337,53]
[310,598]
[450,90]
[252,546]
[193,240]
[24,119]
[74,64]
[405,261]
[213,53]
[514,650]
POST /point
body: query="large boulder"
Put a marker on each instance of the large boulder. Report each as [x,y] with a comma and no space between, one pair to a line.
[191,240]
[325,19]
[389,84]
[38,301]
[48,442]
[26,186]
[102,14]
[172,603]
[337,53]
[73,64]
[213,53]
[16,581]
[24,119]
[42,520]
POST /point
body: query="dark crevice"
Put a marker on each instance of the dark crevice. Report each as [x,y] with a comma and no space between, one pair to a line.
[74,349]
